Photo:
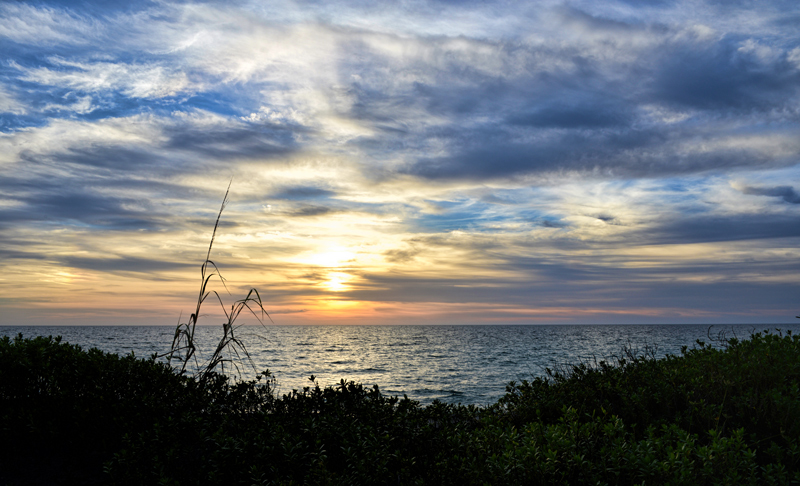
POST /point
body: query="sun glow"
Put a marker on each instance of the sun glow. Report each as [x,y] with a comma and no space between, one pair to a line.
[337,281]
[62,278]
[335,257]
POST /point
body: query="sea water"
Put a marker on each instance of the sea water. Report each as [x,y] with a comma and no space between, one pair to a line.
[455,364]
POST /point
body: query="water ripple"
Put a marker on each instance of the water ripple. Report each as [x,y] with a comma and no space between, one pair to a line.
[466,364]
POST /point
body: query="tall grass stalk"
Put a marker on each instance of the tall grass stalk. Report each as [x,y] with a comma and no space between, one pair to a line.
[230,350]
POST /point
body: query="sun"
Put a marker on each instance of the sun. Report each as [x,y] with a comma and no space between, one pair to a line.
[337,281]
[334,263]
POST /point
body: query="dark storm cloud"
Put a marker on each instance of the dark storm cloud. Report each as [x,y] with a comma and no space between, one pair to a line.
[787,193]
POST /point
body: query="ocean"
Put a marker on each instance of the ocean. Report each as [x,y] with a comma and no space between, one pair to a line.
[454,364]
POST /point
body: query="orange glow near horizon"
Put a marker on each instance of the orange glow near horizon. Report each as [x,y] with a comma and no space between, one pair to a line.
[317,282]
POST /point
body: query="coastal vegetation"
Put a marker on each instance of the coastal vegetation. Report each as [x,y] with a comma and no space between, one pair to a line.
[719,413]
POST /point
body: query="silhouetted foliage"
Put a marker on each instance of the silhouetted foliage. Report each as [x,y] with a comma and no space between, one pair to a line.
[714,415]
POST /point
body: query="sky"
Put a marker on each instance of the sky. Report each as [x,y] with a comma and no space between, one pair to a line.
[404,162]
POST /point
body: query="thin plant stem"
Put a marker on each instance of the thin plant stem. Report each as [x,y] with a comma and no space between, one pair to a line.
[230,349]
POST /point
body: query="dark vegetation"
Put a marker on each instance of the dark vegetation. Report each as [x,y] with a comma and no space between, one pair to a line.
[727,414]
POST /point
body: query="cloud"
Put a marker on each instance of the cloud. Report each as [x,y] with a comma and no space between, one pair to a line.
[224,139]
[118,264]
[306,211]
[401,256]
[631,110]
[95,210]
[28,24]
[526,158]
[602,115]
[183,141]
[726,74]
[787,193]
[302,193]
[120,158]
[688,230]
[9,103]
[624,153]
[132,80]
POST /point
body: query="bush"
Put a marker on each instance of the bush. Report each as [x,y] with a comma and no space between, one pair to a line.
[710,416]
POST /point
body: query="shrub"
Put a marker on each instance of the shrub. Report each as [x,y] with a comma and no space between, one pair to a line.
[710,416]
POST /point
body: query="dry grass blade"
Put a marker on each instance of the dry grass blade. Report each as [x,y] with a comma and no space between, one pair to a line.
[230,349]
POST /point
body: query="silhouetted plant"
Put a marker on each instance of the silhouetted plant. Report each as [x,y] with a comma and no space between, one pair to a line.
[229,349]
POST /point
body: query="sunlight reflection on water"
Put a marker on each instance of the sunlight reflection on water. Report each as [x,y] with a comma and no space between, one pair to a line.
[466,364]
